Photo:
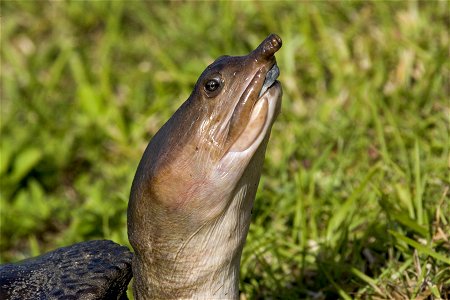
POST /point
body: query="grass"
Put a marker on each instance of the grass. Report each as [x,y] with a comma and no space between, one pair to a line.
[354,199]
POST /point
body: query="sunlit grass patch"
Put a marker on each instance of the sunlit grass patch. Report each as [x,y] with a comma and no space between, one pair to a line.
[354,200]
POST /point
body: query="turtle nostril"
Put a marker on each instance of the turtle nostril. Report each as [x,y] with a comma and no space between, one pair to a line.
[276,41]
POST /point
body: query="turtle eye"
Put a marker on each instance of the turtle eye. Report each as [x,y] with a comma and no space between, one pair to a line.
[212,85]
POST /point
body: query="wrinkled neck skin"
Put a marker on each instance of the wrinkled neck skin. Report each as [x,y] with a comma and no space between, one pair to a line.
[192,195]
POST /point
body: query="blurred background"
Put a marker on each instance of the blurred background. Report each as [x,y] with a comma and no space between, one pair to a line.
[354,200]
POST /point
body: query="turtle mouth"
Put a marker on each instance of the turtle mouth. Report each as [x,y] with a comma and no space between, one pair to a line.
[260,100]
[252,117]
[271,77]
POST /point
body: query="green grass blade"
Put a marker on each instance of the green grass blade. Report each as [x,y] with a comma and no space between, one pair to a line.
[421,248]
[370,281]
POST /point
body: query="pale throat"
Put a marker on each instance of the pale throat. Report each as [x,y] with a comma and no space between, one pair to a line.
[205,265]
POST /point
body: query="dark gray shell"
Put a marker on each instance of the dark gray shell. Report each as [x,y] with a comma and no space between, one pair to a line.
[88,270]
